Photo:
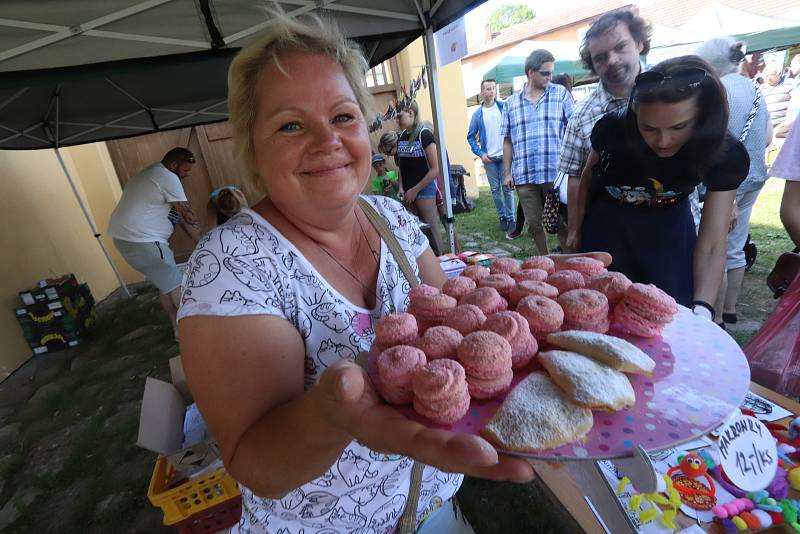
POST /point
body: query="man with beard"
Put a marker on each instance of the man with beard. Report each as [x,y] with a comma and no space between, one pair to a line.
[532,128]
[611,49]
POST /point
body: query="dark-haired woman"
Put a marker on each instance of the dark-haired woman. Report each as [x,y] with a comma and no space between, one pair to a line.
[645,161]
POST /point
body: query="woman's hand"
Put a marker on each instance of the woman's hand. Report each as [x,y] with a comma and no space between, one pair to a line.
[410,195]
[347,399]
[573,240]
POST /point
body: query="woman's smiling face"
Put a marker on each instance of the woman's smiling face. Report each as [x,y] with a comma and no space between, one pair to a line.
[311,144]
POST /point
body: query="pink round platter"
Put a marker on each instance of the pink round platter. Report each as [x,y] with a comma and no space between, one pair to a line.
[701,377]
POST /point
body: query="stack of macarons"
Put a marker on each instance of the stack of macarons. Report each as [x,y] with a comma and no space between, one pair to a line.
[588,267]
[439,342]
[429,308]
[611,284]
[644,310]
[487,360]
[544,315]
[515,329]
[585,309]
[440,391]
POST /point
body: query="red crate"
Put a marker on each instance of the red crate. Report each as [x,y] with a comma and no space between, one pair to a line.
[220,516]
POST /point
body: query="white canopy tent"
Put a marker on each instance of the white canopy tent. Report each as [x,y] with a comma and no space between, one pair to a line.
[81,71]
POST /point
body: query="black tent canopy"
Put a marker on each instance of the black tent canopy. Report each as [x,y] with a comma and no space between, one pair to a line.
[80,71]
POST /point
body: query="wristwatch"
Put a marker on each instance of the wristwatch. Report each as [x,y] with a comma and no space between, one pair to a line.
[703,309]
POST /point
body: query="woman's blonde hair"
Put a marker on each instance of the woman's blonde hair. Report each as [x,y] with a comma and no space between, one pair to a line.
[284,35]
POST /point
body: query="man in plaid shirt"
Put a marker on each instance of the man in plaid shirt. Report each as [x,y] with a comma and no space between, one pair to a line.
[532,129]
[611,49]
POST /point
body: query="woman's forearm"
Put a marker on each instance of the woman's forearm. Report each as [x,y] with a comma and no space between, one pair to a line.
[288,446]
[790,210]
[708,266]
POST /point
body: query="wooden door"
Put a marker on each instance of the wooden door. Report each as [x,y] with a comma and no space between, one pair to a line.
[216,166]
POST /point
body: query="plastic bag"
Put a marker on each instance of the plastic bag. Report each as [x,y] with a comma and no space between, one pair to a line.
[774,352]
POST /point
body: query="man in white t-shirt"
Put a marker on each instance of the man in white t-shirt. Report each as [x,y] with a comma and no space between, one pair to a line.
[486,143]
[152,203]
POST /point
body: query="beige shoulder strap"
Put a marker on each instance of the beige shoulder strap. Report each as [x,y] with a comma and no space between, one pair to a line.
[408,520]
[379,223]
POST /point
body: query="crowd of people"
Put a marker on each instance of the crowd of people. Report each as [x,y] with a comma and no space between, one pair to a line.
[300,285]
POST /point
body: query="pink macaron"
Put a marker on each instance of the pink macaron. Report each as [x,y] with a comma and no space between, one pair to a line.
[504,266]
[422,290]
[488,388]
[588,267]
[458,287]
[544,315]
[396,367]
[651,303]
[476,272]
[527,288]
[502,282]
[612,284]
[515,329]
[540,262]
[536,275]
[485,354]
[634,323]
[584,309]
[487,299]
[466,318]
[566,280]
[440,391]
[396,329]
[430,310]
[440,342]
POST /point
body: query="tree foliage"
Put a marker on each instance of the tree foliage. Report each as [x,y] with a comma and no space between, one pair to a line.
[509,14]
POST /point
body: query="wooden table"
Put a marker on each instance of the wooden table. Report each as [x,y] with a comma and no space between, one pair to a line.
[566,486]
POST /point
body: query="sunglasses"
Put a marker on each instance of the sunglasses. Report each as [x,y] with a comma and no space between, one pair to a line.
[689,78]
[545,73]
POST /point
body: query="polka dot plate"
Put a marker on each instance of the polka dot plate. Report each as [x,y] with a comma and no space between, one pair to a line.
[701,377]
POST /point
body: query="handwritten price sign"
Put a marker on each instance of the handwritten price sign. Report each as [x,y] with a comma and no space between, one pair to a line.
[748,453]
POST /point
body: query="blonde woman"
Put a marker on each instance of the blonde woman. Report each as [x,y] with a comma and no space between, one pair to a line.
[278,301]
[418,159]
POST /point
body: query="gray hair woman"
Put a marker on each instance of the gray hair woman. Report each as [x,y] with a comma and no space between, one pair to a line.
[278,301]
[749,122]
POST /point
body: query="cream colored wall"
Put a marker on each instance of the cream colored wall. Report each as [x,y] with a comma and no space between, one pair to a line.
[43,232]
[451,85]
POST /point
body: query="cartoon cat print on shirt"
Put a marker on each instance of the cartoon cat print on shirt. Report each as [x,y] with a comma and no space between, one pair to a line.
[237,240]
[317,504]
[331,352]
[334,316]
[351,521]
[293,499]
[388,514]
[363,495]
[254,279]
[325,480]
[354,469]
[235,296]
[202,269]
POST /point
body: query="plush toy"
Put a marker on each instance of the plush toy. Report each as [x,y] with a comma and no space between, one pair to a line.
[693,493]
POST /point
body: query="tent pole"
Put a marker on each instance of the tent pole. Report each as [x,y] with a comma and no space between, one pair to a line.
[91,223]
[433,88]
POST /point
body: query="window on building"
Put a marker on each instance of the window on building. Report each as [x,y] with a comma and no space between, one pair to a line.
[379,75]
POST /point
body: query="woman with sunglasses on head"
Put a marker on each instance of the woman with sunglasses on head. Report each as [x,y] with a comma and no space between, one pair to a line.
[645,161]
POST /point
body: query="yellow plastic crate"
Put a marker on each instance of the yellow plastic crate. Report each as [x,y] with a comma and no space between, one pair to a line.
[191,497]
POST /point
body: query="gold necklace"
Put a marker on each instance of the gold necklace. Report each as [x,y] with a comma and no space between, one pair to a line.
[378,299]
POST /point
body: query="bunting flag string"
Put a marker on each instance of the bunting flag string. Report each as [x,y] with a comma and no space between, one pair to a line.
[398,105]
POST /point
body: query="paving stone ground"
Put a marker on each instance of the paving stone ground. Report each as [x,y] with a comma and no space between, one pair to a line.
[69,421]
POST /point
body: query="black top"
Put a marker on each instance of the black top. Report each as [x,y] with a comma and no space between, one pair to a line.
[413,163]
[630,171]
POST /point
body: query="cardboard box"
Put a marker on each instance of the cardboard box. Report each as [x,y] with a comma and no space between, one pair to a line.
[453,268]
[161,423]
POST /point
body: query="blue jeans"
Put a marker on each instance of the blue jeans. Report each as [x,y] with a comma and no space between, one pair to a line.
[503,196]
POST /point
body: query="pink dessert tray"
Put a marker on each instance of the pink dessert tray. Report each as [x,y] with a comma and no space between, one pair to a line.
[701,377]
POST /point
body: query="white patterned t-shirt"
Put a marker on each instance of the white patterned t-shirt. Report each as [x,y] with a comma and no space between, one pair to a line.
[246,267]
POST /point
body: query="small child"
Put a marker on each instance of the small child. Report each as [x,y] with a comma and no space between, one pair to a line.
[227,201]
[385,181]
